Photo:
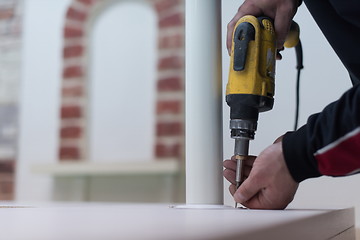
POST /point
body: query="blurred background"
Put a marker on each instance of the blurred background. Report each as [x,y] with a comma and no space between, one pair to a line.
[11,16]
[92,101]
[99,87]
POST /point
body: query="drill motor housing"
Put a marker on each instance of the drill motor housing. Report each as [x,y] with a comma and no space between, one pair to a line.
[251,83]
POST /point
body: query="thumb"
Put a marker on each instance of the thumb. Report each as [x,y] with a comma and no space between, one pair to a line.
[279,139]
[248,189]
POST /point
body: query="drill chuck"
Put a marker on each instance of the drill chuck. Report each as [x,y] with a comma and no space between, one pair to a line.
[242,131]
[241,128]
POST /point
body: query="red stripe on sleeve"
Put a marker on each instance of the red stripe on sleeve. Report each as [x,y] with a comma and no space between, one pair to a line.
[341,157]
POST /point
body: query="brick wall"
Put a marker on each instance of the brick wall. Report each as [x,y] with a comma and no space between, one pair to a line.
[170,83]
[10,43]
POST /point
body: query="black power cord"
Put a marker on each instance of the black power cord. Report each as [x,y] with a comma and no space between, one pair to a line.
[299,66]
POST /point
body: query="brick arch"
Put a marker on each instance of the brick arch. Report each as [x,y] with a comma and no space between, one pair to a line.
[170,83]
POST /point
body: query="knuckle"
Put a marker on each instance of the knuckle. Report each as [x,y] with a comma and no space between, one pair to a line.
[256,179]
[231,24]
[245,190]
[226,173]
[249,7]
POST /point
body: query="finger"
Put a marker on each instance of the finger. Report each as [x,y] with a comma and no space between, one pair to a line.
[248,189]
[278,56]
[230,29]
[247,8]
[249,160]
[279,139]
[246,171]
[232,189]
[230,175]
[262,201]
[282,24]
[255,202]
[230,164]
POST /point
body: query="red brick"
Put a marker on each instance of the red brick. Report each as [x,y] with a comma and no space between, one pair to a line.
[170,84]
[172,62]
[8,191]
[7,159]
[71,112]
[75,91]
[6,13]
[165,5]
[7,177]
[6,188]
[73,71]
[86,2]
[163,150]
[173,41]
[71,132]
[7,197]
[173,20]
[168,107]
[70,32]
[7,166]
[75,14]
[169,129]
[69,153]
[73,51]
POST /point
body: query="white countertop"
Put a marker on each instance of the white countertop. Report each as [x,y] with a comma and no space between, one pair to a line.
[155,221]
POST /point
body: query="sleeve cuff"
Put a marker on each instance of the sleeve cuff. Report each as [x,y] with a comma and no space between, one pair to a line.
[299,159]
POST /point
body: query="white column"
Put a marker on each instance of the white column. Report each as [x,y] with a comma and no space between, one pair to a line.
[204,181]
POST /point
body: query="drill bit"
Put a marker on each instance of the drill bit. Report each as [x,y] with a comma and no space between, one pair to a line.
[239,170]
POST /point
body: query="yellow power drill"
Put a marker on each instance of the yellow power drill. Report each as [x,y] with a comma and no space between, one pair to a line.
[251,83]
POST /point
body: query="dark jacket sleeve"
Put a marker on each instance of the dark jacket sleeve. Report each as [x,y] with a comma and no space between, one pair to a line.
[329,143]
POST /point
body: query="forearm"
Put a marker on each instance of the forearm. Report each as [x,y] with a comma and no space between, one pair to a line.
[329,144]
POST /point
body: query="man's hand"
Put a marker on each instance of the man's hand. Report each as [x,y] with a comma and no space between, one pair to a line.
[281,11]
[268,183]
